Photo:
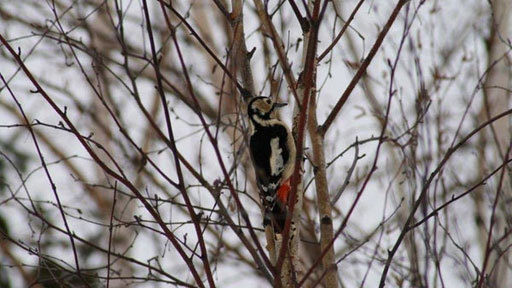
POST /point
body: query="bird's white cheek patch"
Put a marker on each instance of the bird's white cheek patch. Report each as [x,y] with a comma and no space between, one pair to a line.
[276,158]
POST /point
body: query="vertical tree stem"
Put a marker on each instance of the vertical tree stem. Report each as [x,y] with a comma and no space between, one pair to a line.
[323,200]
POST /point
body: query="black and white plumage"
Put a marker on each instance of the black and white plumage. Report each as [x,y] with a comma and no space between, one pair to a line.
[273,155]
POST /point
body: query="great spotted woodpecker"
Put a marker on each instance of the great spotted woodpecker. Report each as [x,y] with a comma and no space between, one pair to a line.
[273,156]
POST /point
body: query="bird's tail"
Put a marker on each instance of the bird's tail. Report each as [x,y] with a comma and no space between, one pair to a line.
[276,210]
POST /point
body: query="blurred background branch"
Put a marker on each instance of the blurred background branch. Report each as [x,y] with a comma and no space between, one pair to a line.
[100,81]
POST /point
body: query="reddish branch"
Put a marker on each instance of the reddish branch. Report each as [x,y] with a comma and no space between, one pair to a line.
[304,24]
[362,69]
[309,72]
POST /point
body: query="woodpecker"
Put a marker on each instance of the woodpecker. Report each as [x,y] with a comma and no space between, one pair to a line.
[273,156]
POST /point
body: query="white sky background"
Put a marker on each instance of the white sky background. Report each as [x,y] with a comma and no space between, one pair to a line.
[447,28]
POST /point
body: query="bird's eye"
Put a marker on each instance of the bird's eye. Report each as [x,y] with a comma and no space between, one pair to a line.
[268,101]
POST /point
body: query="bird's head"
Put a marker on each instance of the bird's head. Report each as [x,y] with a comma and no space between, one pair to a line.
[261,108]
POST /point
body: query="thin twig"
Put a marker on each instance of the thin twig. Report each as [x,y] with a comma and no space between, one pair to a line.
[245,93]
[338,37]
[110,228]
[454,198]
[349,174]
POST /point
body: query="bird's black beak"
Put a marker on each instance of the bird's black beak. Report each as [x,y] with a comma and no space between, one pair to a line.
[279,105]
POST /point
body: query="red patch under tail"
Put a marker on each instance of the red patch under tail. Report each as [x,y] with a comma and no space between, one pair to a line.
[283,191]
